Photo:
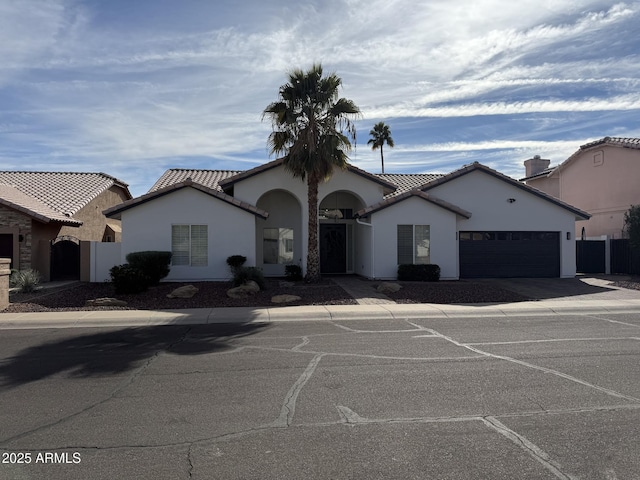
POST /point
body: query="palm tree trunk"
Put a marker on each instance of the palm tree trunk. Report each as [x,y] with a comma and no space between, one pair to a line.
[313,255]
[382,158]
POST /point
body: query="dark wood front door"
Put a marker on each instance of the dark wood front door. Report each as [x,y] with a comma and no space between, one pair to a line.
[333,248]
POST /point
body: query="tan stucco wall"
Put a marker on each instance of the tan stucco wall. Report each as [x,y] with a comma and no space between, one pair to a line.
[604,182]
[40,247]
[550,185]
[93,221]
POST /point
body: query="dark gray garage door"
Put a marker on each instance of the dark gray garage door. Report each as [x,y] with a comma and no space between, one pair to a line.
[509,254]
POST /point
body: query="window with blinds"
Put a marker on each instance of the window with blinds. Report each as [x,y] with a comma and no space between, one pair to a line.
[189,245]
[414,244]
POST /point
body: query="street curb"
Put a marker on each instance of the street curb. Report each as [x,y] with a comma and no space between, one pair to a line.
[236,315]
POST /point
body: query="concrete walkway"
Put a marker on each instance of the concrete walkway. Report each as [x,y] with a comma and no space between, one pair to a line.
[362,291]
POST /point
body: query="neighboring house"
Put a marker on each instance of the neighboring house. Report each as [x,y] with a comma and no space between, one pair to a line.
[44,216]
[601,178]
[474,222]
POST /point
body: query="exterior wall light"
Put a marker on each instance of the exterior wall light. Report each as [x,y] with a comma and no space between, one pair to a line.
[568,235]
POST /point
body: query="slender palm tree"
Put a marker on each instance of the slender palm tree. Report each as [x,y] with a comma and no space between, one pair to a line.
[380,134]
[312,128]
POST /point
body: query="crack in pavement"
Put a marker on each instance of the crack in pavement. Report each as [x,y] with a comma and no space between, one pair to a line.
[289,406]
[533,450]
[557,373]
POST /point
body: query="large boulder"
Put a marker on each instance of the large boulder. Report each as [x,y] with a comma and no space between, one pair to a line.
[388,287]
[186,291]
[106,302]
[243,291]
[284,298]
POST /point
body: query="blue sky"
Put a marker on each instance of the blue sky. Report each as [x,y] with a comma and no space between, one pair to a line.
[134,87]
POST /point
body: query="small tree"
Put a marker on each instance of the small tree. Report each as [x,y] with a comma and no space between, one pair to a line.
[632,225]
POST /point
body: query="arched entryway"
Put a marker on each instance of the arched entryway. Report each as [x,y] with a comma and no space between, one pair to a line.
[279,237]
[337,232]
[65,258]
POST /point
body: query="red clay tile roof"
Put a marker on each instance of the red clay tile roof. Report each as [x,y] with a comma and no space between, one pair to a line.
[616,141]
[12,197]
[62,193]
[208,178]
[115,211]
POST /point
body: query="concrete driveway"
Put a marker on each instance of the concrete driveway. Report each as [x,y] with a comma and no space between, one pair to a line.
[584,287]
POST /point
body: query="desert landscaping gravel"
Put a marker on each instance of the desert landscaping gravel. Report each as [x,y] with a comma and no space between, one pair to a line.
[213,294]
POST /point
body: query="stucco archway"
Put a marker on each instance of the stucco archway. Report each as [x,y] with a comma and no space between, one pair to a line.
[339,233]
[279,238]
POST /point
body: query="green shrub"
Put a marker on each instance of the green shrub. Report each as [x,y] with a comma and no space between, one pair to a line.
[244,274]
[419,273]
[293,272]
[128,279]
[235,262]
[24,280]
[154,264]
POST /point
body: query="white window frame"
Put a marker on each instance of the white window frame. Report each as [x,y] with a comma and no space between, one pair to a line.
[416,239]
[189,245]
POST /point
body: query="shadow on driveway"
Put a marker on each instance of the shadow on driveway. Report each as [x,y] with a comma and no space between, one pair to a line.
[113,352]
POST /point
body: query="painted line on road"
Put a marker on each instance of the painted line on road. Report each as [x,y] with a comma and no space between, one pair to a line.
[627,324]
[551,340]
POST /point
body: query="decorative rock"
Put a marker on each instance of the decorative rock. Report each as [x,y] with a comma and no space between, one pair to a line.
[244,290]
[187,291]
[106,302]
[388,287]
[284,298]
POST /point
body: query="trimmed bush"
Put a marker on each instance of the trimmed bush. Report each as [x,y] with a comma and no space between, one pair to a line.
[235,262]
[24,280]
[244,274]
[155,265]
[293,272]
[419,273]
[128,279]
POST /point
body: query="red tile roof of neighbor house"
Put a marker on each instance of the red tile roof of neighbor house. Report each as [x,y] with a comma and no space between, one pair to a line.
[615,141]
[54,196]
[623,142]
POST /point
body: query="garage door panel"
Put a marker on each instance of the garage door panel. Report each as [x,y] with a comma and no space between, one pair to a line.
[487,256]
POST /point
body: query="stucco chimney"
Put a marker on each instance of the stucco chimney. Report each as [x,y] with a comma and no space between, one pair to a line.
[535,165]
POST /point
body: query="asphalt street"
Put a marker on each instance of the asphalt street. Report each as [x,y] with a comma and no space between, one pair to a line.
[505,397]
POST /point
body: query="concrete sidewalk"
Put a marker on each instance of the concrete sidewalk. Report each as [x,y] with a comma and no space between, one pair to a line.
[200,316]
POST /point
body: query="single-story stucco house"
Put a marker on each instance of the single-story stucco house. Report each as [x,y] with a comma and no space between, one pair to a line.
[473,222]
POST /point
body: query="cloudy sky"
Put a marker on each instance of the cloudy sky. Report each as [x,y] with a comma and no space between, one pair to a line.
[134,87]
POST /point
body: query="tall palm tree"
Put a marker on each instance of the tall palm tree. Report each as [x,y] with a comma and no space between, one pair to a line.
[380,134]
[311,129]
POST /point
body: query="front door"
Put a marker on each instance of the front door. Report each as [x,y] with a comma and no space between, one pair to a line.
[333,248]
